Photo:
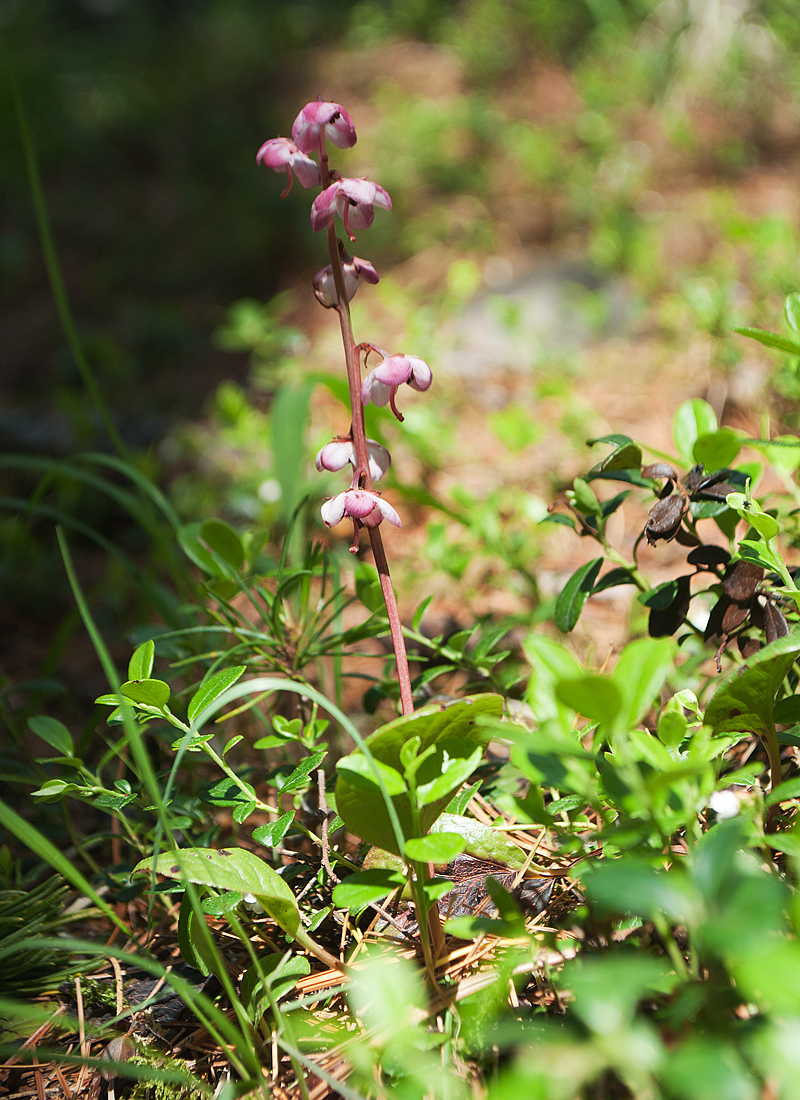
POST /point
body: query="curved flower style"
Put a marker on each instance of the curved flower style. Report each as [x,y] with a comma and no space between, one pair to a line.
[354,200]
[353,269]
[361,505]
[281,155]
[382,382]
[339,128]
[336,454]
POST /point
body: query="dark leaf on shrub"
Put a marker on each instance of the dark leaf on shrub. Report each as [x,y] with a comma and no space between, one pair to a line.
[708,555]
[664,621]
[660,469]
[748,646]
[775,624]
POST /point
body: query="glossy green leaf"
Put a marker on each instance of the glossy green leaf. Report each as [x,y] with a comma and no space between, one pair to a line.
[230,869]
[365,887]
[626,454]
[152,693]
[659,597]
[54,790]
[451,763]
[751,688]
[212,689]
[358,798]
[435,847]
[583,498]
[271,835]
[52,731]
[368,586]
[356,772]
[190,542]
[299,778]
[693,419]
[141,663]
[575,593]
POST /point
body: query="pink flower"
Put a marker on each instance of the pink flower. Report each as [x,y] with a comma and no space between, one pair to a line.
[280,155]
[353,200]
[353,269]
[338,126]
[382,382]
[336,454]
[361,505]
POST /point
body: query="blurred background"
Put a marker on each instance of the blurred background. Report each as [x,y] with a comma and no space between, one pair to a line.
[588,196]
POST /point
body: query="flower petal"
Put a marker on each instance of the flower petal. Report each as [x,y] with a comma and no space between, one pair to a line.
[335,455]
[333,510]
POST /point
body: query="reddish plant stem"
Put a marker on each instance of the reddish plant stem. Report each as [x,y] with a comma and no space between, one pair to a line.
[362,475]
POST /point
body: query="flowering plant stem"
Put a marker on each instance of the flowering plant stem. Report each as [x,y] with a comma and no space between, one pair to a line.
[362,473]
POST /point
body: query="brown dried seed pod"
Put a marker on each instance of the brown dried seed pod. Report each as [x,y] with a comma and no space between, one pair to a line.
[665,518]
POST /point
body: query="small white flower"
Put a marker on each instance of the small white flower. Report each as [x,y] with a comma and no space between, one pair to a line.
[725,804]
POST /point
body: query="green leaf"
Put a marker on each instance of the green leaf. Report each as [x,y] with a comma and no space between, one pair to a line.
[365,887]
[271,835]
[482,841]
[750,689]
[693,419]
[716,450]
[625,456]
[241,813]
[583,498]
[435,847]
[221,538]
[639,673]
[212,689]
[368,587]
[699,1069]
[54,790]
[595,697]
[274,973]
[358,797]
[450,764]
[613,579]
[791,308]
[194,940]
[55,733]
[190,542]
[659,597]
[758,553]
[631,885]
[299,778]
[574,595]
[550,662]
[356,772]
[152,693]
[141,663]
[230,869]
[770,339]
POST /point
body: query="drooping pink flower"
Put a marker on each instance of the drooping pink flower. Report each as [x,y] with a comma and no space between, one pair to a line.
[382,382]
[338,125]
[365,507]
[282,155]
[354,200]
[336,454]
[353,269]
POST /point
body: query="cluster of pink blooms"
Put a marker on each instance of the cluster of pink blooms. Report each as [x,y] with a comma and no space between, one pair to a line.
[354,202]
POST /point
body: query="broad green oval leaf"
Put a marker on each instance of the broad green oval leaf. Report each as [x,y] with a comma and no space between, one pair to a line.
[225,543]
[435,847]
[626,454]
[660,597]
[365,887]
[482,841]
[595,697]
[693,419]
[55,733]
[152,693]
[748,692]
[574,595]
[230,869]
[639,674]
[583,497]
[358,773]
[451,763]
[362,807]
[211,689]
[550,662]
[717,449]
[141,663]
